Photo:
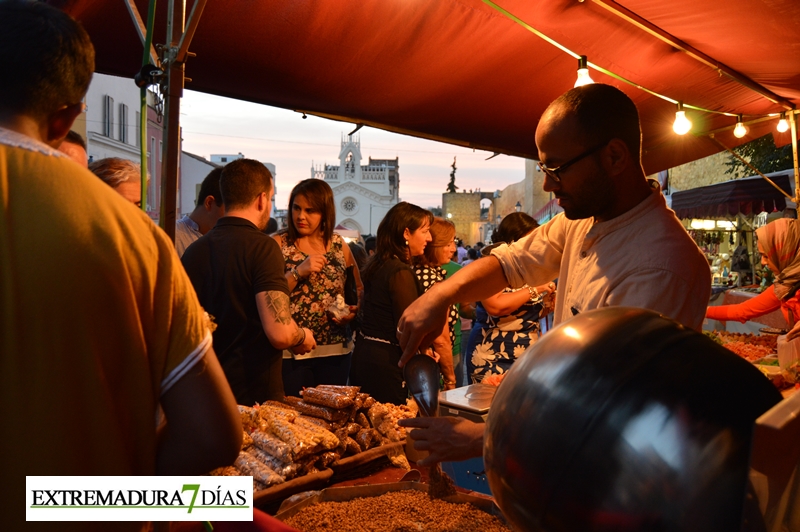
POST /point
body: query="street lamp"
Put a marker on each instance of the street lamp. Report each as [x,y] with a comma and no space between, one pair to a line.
[449,215]
[518,207]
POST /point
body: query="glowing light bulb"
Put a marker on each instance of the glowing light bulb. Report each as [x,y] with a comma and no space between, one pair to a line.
[583,73]
[682,125]
[783,124]
[740,130]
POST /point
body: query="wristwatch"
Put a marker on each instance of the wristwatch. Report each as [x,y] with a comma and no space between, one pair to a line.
[294,273]
[534,294]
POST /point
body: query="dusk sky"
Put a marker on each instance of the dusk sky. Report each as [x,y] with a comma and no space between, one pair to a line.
[212,125]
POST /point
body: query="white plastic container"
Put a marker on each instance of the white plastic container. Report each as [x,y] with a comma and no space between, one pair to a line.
[788,351]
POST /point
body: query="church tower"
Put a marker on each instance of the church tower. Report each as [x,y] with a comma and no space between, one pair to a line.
[362,194]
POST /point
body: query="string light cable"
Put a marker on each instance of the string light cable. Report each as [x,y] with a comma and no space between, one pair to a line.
[680,124]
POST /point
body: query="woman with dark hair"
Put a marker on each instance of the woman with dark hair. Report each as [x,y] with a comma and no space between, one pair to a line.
[507,323]
[316,264]
[389,287]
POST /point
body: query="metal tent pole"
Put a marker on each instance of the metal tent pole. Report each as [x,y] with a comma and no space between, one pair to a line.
[793,129]
[174,70]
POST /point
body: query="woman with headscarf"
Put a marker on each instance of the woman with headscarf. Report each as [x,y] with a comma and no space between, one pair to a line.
[778,244]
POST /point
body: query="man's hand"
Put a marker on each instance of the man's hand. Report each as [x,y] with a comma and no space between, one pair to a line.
[424,319]
[448,439]
[314,263]
[421,324]
[308,344]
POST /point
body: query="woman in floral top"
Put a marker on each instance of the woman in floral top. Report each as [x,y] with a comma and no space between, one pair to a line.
[429,271]
[316,263]
[507,323]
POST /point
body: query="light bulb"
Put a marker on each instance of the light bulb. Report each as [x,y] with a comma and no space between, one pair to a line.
[783,124]
[740,130]
[583,73]
[682,125]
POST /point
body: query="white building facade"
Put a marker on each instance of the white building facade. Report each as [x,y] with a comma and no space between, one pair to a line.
[362,194]
[194,170]
[112,118]
[113,129]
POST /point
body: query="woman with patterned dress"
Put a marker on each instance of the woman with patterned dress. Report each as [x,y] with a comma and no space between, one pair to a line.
[316,264]
[429,271]
[507,323]
[389,288]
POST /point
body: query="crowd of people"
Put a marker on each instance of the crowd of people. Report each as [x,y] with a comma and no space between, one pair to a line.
[107,319]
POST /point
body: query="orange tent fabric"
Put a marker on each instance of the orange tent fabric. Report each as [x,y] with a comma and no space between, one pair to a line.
[461,72]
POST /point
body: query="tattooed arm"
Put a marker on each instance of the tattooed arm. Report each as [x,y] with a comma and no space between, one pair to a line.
[280,328]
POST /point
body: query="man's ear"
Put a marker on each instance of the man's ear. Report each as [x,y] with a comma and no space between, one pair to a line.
[209,202]
[60,122]
[618,156]
[263,200]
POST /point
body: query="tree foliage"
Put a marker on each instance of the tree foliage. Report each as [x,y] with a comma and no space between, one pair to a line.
[451,186]
[762,154]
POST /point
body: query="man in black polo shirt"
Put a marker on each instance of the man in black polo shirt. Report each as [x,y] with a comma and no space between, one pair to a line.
[238,273]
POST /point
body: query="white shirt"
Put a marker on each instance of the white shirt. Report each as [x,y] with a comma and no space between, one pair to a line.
[186,232]
[643,258]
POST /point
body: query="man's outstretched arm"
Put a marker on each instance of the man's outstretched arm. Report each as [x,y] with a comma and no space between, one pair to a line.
[424,319]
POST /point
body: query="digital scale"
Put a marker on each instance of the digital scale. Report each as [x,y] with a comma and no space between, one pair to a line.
[472,403]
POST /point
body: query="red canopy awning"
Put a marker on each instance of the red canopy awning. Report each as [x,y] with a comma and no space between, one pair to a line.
[750,195]
[462,72]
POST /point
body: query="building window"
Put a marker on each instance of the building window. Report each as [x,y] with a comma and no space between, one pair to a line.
[153,158]
[152,193]
[138,128]
[160,150]
[223,159]
[349,205]
[123,123]
[108,116]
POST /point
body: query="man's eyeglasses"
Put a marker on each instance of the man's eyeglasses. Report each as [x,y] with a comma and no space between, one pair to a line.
[555,172]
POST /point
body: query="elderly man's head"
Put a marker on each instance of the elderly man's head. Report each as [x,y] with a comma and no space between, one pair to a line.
[122,175]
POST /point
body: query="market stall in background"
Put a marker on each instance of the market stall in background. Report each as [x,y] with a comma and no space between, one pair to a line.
[722,219]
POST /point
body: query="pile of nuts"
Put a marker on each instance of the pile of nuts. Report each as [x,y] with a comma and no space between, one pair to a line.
[398,511]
